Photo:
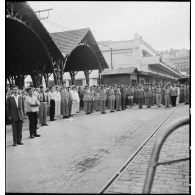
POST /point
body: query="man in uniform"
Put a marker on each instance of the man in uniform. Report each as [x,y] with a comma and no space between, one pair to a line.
[103,98]
[123,97]
[42,107]
[111,98]
[158,95]
[140,96]
[64,102]
[86,99]
[117,92]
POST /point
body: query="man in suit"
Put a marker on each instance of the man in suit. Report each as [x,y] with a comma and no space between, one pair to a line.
[15,111]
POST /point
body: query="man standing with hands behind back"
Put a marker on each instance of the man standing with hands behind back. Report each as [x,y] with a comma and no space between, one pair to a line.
[32,104]
[15,111]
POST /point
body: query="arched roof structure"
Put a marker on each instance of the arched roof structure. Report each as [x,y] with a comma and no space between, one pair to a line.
[80,50]
[29,46]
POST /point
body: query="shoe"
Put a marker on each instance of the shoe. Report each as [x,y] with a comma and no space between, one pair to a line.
[54,119]
[37,135]
[64,117]
[14,144]
[31,137]
[20,143]
[37,127]
[45,124]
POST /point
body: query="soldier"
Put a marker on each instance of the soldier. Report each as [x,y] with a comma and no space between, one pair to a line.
[42,107]
[77,101]
[74,100]
[51,102]
[158,95]
[178,94]
[96,99]
[148,94]
[117,98]
[111,98]
[103,98]
[173,94]
[186,92]
[167,95]
[57,98]
[140,96]
[123,97]
[91,102]
[131,95]
[64,102]
[163,94]
[86,99]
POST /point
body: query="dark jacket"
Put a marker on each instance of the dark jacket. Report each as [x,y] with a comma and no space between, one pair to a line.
[16,113]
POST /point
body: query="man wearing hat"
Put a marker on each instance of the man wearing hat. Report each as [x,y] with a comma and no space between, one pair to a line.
[42,107]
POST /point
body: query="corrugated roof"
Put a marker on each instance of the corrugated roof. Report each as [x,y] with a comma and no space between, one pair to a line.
[66,41]
[119,71]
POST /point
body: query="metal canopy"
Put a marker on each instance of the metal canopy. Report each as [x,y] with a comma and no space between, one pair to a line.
[29,46]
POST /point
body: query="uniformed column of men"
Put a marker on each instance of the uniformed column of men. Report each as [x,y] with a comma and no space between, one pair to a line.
[39,103]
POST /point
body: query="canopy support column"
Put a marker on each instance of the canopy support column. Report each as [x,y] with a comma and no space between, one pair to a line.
[72,75]
[86,72]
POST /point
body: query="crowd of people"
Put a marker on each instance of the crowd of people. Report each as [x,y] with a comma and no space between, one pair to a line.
[38,103]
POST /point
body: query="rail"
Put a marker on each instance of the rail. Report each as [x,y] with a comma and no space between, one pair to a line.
[156,152]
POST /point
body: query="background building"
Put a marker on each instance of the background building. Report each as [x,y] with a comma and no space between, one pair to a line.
[178,59]
[138,54]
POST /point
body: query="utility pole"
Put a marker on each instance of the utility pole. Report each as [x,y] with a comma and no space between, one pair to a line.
[111,58]
[40,11]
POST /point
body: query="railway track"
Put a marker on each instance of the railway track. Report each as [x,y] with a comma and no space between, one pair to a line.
[129,160]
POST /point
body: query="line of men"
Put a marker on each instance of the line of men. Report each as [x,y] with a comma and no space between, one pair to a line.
[67,101]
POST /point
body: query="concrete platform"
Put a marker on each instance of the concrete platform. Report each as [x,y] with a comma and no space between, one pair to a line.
[79,156]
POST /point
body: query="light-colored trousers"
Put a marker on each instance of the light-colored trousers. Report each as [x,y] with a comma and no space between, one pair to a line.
[158,99]
[57,108]
[74,107]
[43,113]
[167,100]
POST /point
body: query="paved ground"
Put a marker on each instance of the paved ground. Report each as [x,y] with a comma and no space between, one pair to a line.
[172,178]
[81,155]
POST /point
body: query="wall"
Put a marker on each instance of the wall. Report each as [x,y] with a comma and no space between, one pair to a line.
[116,79]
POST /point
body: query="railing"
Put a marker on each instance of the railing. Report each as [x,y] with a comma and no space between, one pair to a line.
[156,151]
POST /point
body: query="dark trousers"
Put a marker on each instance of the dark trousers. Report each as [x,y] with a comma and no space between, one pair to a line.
[173,101]
[123,102]
[32,123]
[52,110]
[17,131]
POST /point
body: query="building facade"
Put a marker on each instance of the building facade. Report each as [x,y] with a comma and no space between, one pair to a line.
[138,54]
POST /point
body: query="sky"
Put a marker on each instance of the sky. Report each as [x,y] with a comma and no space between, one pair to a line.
[164,25]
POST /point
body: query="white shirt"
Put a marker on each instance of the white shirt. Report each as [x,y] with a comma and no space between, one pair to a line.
[16,98]
[32,100]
